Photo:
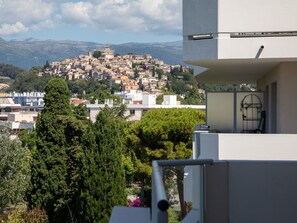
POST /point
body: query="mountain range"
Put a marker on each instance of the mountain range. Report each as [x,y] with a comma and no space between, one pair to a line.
[26,53]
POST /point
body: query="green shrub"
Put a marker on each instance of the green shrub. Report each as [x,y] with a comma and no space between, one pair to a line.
[173,216]
[20,215]
[35,215]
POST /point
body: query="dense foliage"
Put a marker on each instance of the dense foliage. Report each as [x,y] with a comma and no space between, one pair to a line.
[14,171]
[102,179]
[8,70]
[163,134]
[97,54]
[185,86]
[58,151]
[30,81]
[20,214]
[77,172]
[92,88]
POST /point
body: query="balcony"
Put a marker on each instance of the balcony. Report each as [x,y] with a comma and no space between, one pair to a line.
[231,191]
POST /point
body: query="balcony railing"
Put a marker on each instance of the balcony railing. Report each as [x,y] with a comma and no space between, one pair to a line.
[160,203]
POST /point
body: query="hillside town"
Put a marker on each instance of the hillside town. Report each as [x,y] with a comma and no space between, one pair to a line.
[140,79]
[131,72]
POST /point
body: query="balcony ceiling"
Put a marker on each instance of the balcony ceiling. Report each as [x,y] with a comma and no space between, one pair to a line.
[234,71]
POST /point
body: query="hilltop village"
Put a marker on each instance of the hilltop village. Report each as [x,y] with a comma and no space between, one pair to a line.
[141,82]
[132,72]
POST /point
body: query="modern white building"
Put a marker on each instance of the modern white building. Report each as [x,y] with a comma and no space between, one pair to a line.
[13,118]
[27,98]
[134,112]
[247,42]
[233,42]
[130,96]
[251,41]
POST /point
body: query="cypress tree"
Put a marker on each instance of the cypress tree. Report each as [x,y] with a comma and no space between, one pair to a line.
[103,182]
[89,180]
[109,141]
[57,155]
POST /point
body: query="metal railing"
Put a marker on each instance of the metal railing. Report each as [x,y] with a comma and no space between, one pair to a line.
[160,203]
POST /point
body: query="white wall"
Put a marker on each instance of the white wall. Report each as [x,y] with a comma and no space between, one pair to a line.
[220,111]
[22,117]
[219,16]
[169,100]
[222,17]
[248,146]
[149,99]
[256,15]
[248,48]
[199,16]
[285,76]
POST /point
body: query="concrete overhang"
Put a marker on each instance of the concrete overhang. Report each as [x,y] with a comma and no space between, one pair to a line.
[234,71]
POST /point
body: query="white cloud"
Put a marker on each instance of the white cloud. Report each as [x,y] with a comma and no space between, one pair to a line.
[79,12]
[151,16]
[8,29]
[28,12]
[46,24]
[161,16]
[21,16]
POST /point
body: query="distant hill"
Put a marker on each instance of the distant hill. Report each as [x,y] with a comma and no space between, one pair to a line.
[27,53]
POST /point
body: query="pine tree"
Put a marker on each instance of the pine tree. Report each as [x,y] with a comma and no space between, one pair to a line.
[103,182]
[163,134]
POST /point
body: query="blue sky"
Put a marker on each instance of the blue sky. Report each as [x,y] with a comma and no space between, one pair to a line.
[101,21]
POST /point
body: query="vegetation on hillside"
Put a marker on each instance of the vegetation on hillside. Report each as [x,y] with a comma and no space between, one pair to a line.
[185,86]
[181,83]
[8,70]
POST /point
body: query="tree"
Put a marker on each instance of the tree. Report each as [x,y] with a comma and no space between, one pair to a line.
[56,159]
[163,134]
[80,111]
[47,65]
[30,81]
[14,170]
[193,97]
[102,181]
[56,99]
[88,197]
[97,54]
[28,138]
[78,86]
[11,71]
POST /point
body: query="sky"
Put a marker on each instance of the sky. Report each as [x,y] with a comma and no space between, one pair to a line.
[100,21]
